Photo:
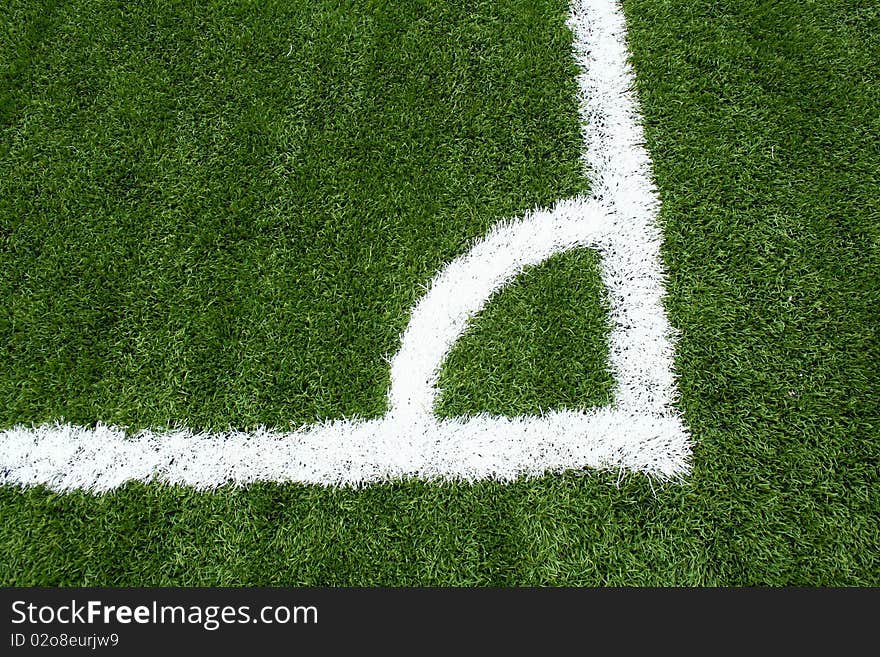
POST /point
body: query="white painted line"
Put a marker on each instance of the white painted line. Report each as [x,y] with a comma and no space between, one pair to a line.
[642,431]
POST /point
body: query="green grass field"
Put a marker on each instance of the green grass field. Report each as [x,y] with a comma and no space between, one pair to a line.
[220,215]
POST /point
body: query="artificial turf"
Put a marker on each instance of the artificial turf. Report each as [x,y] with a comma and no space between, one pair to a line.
[220,215]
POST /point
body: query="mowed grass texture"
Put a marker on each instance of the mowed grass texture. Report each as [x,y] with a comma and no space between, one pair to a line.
[222,215]
[763,123]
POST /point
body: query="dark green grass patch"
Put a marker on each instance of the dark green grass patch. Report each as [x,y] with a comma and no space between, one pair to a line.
[534,347]
[763,122]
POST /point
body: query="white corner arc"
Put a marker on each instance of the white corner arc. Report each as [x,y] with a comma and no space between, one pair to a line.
[641,431]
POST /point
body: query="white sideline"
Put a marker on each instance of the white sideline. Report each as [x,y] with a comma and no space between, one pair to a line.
[641,431]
